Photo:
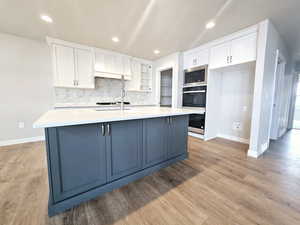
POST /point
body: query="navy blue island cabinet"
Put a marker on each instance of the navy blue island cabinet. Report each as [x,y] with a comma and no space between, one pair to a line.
[85,161]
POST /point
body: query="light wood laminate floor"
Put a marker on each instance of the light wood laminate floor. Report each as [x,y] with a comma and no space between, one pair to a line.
[217,185]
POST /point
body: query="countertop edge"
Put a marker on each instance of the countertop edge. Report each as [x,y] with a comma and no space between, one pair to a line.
[103,120]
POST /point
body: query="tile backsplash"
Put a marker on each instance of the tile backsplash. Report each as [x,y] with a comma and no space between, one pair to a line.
[106,90]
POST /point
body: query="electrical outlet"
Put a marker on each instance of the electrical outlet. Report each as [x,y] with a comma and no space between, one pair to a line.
[21,125]
[237,126]
[245,108]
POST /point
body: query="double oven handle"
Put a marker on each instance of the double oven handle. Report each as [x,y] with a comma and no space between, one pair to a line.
[188,92]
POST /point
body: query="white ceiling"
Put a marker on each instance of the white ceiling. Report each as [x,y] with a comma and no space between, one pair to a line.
[145,25]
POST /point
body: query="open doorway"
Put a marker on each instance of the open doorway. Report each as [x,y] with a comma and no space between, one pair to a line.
[166,77]
[296,121]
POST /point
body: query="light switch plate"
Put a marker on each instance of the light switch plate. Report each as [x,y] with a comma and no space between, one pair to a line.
[21,125]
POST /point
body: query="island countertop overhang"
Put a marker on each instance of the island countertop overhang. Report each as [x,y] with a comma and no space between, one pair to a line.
[69,117]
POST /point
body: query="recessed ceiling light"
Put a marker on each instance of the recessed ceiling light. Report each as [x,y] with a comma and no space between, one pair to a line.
[210,25]
[46,18]
[115,39]
[156,52]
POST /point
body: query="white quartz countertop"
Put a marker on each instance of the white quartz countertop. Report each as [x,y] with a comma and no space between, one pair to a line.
[67,117]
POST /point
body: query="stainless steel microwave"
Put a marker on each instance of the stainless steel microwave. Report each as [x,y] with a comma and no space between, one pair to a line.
[195,76]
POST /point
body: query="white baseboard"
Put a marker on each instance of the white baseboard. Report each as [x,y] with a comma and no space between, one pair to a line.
[21,141]
[234,138]
[264,147]
[253,154]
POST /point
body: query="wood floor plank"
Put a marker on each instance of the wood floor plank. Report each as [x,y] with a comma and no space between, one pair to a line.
[216,185]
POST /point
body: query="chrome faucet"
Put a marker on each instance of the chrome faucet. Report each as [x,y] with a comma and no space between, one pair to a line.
[123,93]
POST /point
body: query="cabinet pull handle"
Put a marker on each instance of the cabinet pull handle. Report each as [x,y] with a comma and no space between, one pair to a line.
[230,59]
[74,82]
[103,130]
[108,129]
[227,59]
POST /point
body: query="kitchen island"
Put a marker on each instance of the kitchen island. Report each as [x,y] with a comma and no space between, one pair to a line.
[93,151]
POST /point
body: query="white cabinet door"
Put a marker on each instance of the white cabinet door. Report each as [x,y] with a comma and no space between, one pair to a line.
[135,82]
[243,49]
[108,63]
[197,58]
[193,60]
[219,55]
[84,69]
[118,67]
[99,61]
[64,60]
[128,65]
[146,77]
[203,57]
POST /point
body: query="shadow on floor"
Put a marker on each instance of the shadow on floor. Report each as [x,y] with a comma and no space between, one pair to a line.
[113,206]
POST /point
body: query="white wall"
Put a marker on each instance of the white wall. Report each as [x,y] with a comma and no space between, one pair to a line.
[295,80]
[25,86]
[174,61]
[269,41]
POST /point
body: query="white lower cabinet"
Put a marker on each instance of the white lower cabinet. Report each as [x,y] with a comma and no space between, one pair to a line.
[73,67]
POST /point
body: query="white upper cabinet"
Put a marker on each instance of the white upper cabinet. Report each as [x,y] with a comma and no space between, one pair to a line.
[135,83]
[197,58]
[244,49]
[127,67]
[99,61]
[64,66]
[73,65]
[111,64]
[236,51]
[146,77]
[141,76]
[220,56]
[84,69]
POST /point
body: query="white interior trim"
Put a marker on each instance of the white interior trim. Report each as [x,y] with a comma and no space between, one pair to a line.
[21,141]
[252,154]
[192,134]
[256,154]
[234,138]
